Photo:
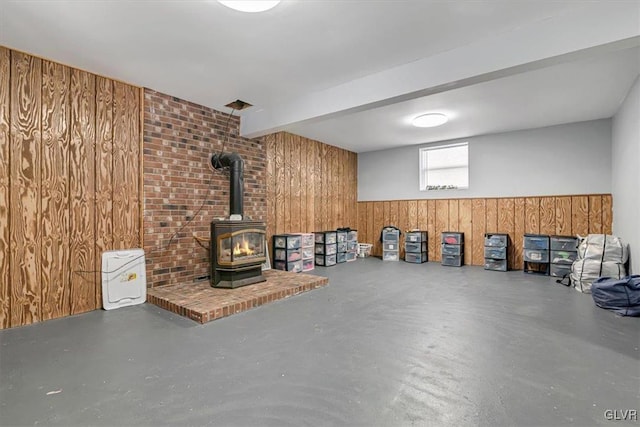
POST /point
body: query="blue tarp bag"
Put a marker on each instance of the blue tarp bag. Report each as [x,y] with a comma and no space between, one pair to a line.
[621,296]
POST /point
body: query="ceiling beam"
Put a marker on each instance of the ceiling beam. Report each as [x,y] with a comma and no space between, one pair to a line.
[595,28]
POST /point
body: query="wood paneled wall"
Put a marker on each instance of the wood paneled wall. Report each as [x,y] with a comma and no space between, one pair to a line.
[69,185]
[560,215]
[311,186]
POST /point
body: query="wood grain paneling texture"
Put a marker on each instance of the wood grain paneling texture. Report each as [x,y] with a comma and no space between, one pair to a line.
[311,186]
[475,217]
[57,185]
[82,191]
[25,203]
[56,81]
[5,195]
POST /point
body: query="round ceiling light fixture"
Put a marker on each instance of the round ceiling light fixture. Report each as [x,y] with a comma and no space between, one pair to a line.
[430,120]
[251,6]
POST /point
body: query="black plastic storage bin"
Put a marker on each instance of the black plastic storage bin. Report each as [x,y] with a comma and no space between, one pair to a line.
[287,241]
[326,260]
[327,237]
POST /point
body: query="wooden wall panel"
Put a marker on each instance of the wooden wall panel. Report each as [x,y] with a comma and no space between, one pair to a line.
[82,190]
[442,224]
[311,187]
[378,223]
[403,222]
[563,216]
[61,185]
[25,176]
[303,215]
[607,213]
[412,214]
[506,225]
[279,189]
[361,225]
[595,214]
[433,239]
[465,225]
[326,186]
[104,174]
[5,195]
[309,211]
[317,184]
[479,217]
[55,190]
[134,195]
[422,223]
[453,214]
[532,215]
[370,237]
[580,215]
[294,166]
[286,208]
[548,215]
[519,230]
[491,223]
[393,213]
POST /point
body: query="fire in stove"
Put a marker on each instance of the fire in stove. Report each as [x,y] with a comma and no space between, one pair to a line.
[244,249]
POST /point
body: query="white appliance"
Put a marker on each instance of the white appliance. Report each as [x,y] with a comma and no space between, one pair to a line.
[124,278]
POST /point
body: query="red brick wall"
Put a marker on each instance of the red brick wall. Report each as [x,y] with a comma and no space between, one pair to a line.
[179,136]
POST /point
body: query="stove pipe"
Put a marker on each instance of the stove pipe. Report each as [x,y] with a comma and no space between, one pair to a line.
[236,179]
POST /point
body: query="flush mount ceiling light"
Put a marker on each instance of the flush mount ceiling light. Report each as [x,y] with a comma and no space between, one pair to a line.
[430,120]
[250,5]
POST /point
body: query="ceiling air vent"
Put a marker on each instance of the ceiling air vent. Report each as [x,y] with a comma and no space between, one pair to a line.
[238,105]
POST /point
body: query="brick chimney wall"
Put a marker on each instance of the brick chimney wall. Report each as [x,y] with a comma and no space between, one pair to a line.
[179,136]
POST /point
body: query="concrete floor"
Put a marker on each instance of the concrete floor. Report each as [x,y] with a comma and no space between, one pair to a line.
[385,344]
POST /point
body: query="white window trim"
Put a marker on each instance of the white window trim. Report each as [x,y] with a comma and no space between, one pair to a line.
[422,159]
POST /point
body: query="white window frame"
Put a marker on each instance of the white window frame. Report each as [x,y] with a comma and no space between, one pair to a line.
[423,159]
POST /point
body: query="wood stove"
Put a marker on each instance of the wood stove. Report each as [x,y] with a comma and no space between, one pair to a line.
[237,247]
[238,250]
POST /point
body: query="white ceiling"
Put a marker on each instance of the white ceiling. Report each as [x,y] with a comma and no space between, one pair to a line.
[349,73]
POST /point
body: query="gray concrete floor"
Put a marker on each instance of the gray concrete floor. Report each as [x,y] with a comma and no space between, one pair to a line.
[385,344]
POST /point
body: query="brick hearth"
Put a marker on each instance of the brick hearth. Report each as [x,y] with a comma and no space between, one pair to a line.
[200,302]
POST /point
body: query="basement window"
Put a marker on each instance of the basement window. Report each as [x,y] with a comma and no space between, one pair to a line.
[445,167]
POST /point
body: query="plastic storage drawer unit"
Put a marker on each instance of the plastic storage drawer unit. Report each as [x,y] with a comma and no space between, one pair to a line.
[326,260]
[415,236]
[452,260]
[287,241]
[496,240]
[563,257]
[390,235]
[451,249]
[390,256]
[495,264]
[307,240]
[536,255]
[415,247]
[495,253]
[415,257]
[390,246]
[564,243]
[452,238]
[536,241]
[295,267]
[287,255]
[307,264]
[328,249]
[327,237]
